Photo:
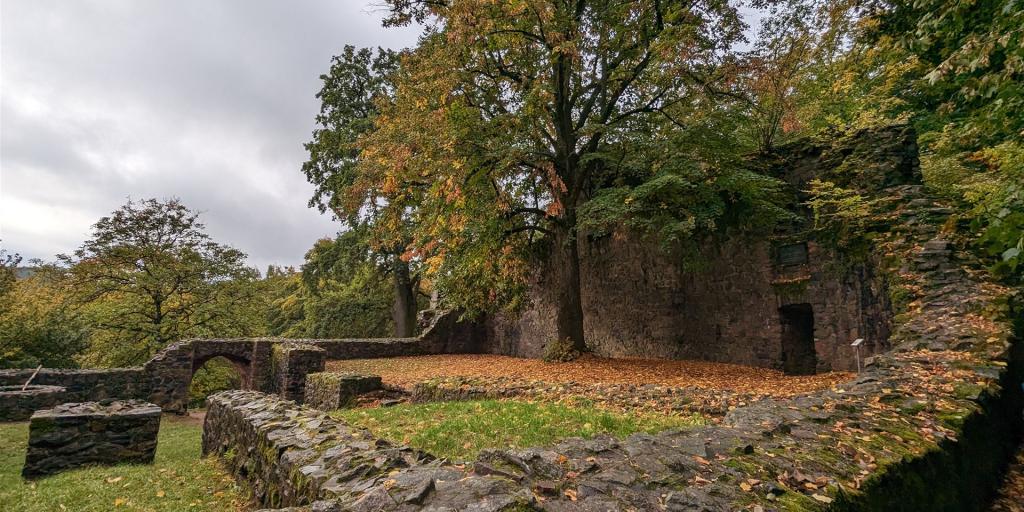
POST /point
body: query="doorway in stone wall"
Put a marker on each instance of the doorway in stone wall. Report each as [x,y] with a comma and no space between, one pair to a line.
[798,356]
[213,375]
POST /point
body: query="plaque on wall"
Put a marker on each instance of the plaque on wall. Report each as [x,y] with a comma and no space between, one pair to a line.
[791,254]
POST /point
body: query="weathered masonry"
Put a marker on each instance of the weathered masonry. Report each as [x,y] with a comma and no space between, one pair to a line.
[784,302]
[272,365]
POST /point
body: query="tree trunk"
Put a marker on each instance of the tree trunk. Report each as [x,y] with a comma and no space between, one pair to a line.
[562,284]
[403,311]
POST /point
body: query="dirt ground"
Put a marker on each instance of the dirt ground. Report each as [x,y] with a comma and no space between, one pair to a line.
[405,371]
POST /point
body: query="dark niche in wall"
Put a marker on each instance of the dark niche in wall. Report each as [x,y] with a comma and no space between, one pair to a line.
[798,355]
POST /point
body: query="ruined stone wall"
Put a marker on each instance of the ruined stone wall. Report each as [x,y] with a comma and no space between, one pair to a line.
[295,456]
[17,403]
[926,426]
[164,380]
[641,301]
[645,305]
[85,385]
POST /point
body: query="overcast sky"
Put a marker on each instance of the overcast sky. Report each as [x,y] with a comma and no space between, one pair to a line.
[208,101]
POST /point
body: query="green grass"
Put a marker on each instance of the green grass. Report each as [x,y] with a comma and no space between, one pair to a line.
[459,430]
[178,480]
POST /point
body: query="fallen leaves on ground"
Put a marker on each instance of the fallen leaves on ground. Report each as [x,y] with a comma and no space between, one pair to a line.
[1011,496]
[406,371]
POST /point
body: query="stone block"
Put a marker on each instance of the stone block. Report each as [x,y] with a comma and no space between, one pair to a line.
[80,434]
[328,391]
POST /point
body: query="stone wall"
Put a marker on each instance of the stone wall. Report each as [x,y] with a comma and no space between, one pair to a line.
[729,311]
[641,301]
[84,385]
[165,379]
[18,404]
[294,456]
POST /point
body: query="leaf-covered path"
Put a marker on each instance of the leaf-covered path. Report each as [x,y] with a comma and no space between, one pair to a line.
[406,371]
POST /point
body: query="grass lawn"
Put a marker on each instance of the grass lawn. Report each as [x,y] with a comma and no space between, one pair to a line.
[179,480]
[459,430]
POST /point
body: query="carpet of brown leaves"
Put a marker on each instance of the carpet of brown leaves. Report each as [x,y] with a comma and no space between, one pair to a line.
[406,371]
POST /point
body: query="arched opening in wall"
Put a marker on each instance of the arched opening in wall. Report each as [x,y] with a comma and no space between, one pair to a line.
[214,375]
[798,355]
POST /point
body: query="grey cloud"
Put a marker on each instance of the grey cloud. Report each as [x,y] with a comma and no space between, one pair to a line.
[206,101]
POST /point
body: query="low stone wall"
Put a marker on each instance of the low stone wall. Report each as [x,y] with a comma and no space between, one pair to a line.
[78,386]
[614,396]
[84,385]
[164,380]
[447,333]
[17,404]
[328,391]
[79,434]
[295,456]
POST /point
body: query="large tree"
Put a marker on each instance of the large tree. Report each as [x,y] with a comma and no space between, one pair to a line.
[357,79]
[508,117]
[150,275]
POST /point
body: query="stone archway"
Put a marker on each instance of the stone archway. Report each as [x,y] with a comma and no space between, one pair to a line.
[171,371]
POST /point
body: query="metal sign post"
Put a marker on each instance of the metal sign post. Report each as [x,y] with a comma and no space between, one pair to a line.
[856,345]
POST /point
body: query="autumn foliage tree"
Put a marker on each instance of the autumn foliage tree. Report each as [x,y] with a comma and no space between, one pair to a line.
[8,267]
[339,293]
[509,117]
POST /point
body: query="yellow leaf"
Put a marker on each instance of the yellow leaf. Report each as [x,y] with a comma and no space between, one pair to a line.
[119,501]
[160,493]
[115,480]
